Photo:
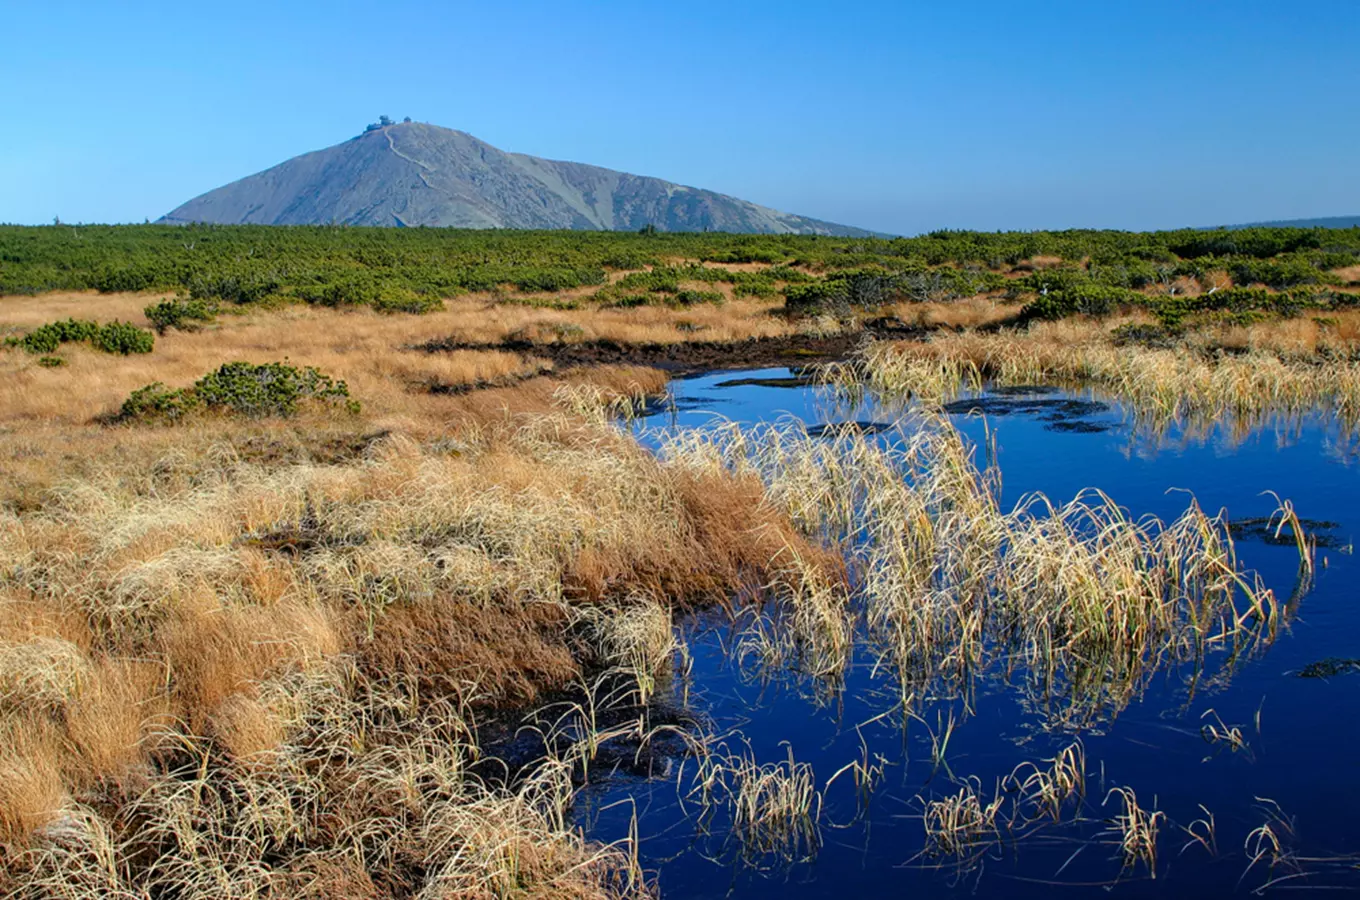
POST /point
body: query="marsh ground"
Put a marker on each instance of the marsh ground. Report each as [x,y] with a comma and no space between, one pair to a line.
[257,655]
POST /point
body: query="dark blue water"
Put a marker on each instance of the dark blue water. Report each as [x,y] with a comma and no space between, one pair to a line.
[1304,757]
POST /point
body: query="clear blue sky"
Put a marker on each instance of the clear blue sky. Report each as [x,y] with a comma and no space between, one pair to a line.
[897,116]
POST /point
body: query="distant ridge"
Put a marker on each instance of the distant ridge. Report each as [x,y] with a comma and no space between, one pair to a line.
[411,173]
[1329,222]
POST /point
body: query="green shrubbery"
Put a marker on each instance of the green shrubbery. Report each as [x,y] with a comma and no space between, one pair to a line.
[409,269]
[1238,305]
[123,338]
[113,337]
[688,297]
[662,279]
[180,312]
[1279,273]
[47,338]
[755,289]
[1080,298]
[238,287]
[747,255]
[115,279]
[546,281]
[817,297]
[395,299]
[256,391]
[1246,305]
[867,288]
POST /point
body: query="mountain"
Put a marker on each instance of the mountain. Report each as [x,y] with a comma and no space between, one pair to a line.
[1329,222]
[410,173]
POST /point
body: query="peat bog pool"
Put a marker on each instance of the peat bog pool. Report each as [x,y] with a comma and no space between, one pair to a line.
[1245,775]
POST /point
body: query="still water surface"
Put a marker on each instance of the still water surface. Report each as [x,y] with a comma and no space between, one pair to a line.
[1301,765]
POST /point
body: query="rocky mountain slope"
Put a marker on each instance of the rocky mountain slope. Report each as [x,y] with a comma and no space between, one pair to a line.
[411,173]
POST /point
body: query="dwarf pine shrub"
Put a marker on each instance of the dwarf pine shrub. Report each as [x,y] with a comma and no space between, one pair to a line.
[180,312]
[123,338]
[393,299]
[241,388]
[1082,298]
[115,337]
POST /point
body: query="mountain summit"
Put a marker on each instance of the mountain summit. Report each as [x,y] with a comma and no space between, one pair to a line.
[410,173]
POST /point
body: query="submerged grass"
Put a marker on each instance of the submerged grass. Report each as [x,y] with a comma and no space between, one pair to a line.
[1081,599]
[774,807]
[1135,829]
[955,824]
[1182,385]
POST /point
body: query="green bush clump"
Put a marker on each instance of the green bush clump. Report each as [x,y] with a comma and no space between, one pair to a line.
[239,288]
[179,312]
[628,259]
[1050,280]
[1131,274]
[1280,274]
[816,297]
[256,391]
[47,338]
[393,299]
[271,389]
[352,291]
[156,402]
[786,274]
[1089,299]
[755,288]
[1334,259]
[1261,243]
[123,338]
[546,281]
[748,255]
[51,362]
[114,337]
[689,297]
[1246,305]
[868,288]
[661,279]
[123,278]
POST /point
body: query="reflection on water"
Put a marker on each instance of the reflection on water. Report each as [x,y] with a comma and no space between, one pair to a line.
[958,737]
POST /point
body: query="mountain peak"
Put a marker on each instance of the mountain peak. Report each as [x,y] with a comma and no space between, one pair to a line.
[414,173]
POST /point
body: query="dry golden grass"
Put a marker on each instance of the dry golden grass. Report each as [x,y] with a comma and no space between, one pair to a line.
[478,319]
[35,456]
[239,654]
[972,312]
[374,353]
[24,312]
[1287,367]
[369,351]
[1336,333]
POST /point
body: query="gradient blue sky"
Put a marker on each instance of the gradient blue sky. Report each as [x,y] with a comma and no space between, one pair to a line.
[901,117]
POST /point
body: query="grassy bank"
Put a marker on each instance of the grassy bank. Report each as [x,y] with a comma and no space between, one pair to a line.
[226,676]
